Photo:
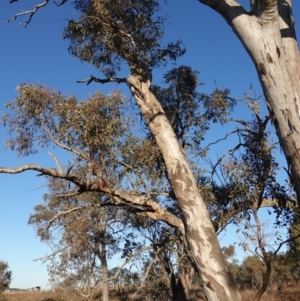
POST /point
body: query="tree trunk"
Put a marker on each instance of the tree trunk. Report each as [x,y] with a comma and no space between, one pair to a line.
[268,35]
[104,267]
[203,243]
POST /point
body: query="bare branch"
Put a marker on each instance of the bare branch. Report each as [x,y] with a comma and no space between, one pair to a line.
[230,151]
[62,213]
[33,189]
[125,263]
[45,258]
[286,241]
[28,12]
[156,212]
[150,265]
[56,161]
[224,138]
[44,171]
[222,220]
[63,146]
[102,81]
[140,176]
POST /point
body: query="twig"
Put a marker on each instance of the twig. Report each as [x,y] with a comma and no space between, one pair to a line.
[33,189]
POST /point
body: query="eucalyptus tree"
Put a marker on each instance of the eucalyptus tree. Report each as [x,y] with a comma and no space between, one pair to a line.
[109,34]
[5,278]
[82,237]
[117,161]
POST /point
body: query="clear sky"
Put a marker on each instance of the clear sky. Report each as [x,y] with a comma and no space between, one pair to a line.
[38,54]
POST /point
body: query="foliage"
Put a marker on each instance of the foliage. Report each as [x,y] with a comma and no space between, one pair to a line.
[108,34]
[5,276]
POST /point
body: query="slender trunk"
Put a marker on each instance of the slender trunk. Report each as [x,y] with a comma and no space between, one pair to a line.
[100,251]
[266,256]
[266,279]
[203,243]
[105,276]
[269,37]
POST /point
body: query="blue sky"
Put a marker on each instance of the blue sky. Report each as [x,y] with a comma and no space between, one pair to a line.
[38,54]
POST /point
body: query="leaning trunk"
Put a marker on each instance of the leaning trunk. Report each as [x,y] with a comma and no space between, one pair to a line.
[269,37]
[203,243]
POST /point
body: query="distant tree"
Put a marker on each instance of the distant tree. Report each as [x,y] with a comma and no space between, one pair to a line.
[5,278]
[82,241]
[253,272]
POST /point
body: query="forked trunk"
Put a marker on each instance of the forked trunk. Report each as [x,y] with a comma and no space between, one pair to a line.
[268,35]
[203,243]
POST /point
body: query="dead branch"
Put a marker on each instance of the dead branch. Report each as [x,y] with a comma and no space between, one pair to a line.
[31,13]
[56,161]
[102,81]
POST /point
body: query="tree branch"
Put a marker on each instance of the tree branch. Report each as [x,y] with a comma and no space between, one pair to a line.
[223,219]
[63,146]
[125,262]
[102,81]
[228,9]
[44,171]
[56,161]
[28,12]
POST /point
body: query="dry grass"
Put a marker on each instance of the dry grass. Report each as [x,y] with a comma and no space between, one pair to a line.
[41,296]
[272,294]
[287,294]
